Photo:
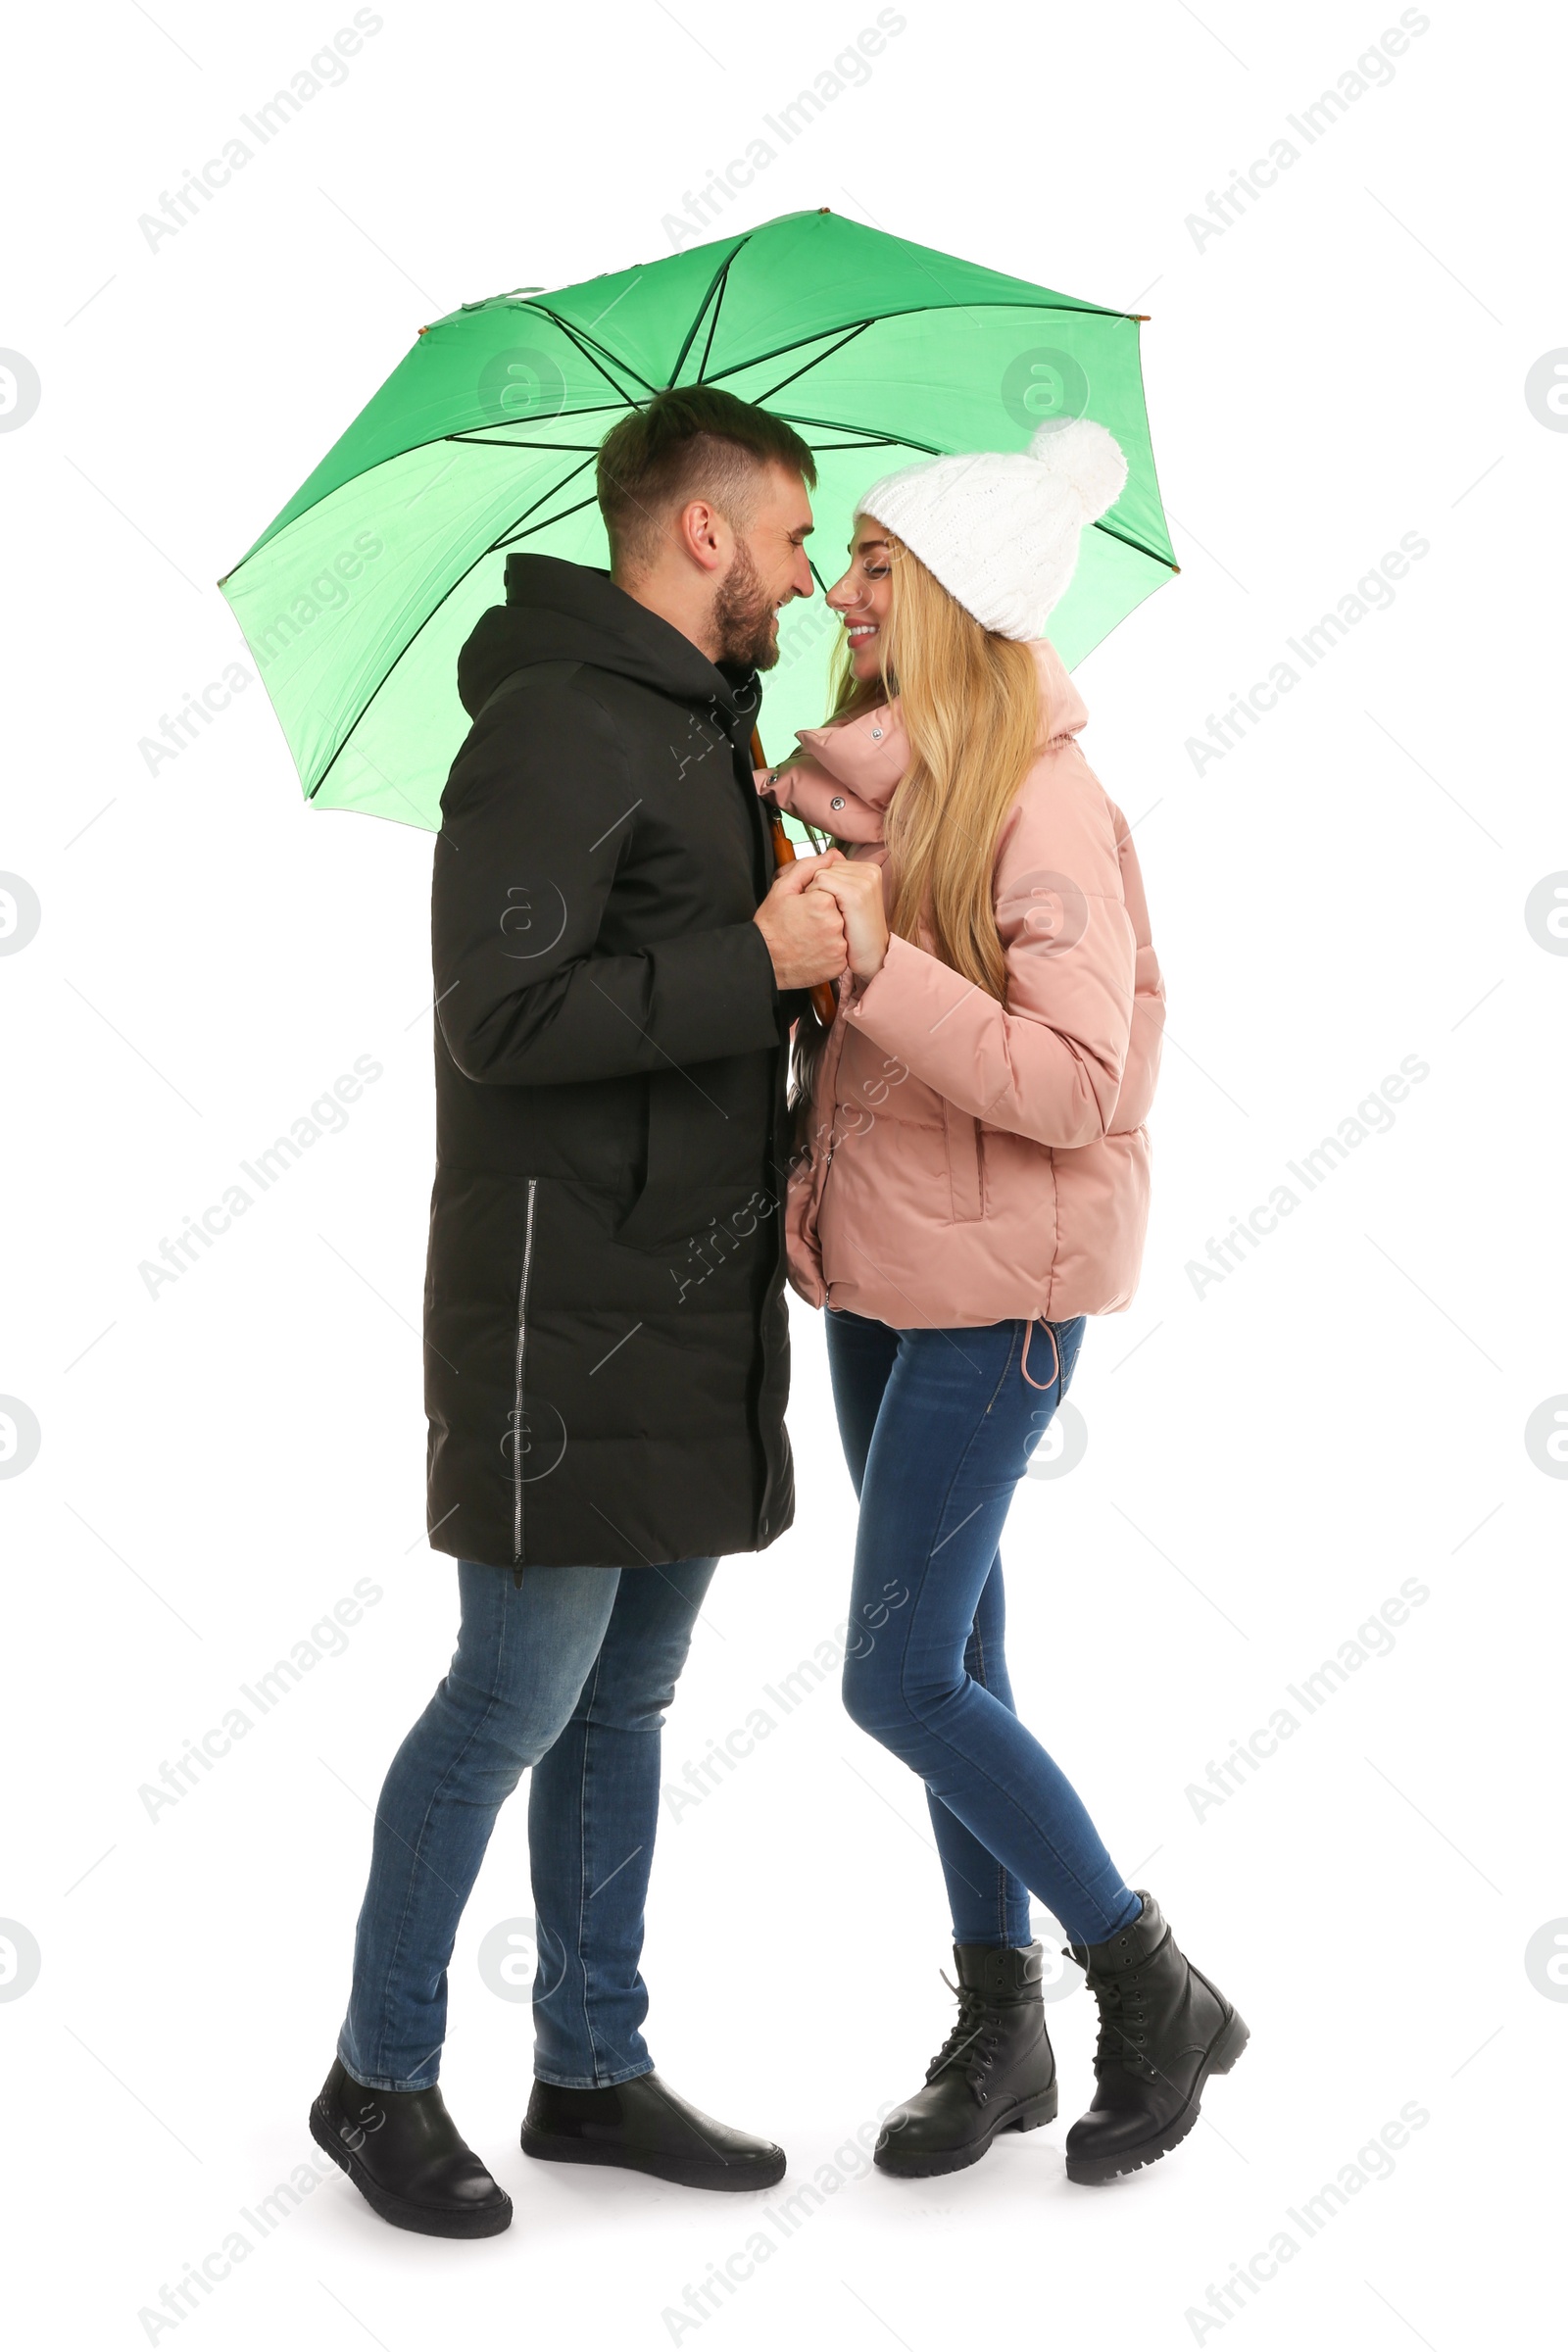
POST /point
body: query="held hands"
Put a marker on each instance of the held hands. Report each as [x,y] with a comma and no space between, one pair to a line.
[802,928]
[855,886]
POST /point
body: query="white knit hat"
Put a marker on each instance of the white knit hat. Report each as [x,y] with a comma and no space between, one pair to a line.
[1001,532]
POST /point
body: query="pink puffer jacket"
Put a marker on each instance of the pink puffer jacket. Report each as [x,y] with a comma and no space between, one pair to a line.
[971,1162]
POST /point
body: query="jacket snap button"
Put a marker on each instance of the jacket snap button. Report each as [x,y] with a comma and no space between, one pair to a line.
[837,801]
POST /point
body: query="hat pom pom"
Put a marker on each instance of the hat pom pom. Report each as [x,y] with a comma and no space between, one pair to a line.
[1085,457]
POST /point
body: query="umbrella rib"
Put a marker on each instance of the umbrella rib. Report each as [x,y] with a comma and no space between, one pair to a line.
[475,432]
[716,284]
[543,499]
[481,441]
[712,323]
[833,424]
[1137,547]
[779,351]
[786,382]
[492,548]
[581,337]
[548,521]
[1076,310]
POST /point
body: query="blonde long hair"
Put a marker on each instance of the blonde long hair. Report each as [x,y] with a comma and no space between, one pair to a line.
[970,702]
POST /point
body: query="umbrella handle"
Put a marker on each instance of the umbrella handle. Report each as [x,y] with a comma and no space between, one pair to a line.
[824,998]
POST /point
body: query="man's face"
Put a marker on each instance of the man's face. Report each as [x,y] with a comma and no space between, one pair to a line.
[768,568]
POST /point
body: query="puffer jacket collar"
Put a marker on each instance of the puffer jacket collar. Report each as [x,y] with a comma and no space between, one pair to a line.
[869,755]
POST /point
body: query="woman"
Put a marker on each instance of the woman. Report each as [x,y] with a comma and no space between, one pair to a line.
[975,1184]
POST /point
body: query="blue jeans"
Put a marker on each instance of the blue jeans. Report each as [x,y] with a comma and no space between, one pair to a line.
[938,1427]
[570,1672]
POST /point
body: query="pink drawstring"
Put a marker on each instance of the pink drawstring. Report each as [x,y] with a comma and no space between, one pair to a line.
[1024,1360]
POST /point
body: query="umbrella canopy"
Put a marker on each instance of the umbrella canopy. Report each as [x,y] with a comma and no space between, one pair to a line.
[356,599]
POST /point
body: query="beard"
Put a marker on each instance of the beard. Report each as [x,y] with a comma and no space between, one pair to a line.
[743,616]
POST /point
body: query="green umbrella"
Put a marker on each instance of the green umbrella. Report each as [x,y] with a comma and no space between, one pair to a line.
[356,599]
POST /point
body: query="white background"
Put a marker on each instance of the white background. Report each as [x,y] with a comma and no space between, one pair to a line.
[1343,364]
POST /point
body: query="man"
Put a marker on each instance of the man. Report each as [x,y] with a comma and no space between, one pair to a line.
[607,1348]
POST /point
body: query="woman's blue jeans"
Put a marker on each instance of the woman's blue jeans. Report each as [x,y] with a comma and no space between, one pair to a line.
[938,1427]
[570,1672]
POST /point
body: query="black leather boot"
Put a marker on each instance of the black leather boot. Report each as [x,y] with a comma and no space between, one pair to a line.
[993,2072]
[1163,2029]
[407,2158]
[645,2126]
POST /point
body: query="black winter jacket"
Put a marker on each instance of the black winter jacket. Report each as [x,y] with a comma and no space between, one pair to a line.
[606,1353]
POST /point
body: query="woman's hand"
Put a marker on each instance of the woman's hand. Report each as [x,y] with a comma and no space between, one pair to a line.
[857,884]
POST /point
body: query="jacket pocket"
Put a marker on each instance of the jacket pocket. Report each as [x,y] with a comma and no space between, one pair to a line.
[682,1164]
[963,1166]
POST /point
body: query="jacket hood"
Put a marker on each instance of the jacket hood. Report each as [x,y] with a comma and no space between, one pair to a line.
[558,611]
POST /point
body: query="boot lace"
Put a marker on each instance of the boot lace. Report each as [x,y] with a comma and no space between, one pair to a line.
[1123,2004]
[974,2039]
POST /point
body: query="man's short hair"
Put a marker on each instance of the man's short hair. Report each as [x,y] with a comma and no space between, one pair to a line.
[696,441]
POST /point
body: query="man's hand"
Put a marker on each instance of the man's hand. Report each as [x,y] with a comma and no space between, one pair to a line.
[802,928]
[855,884]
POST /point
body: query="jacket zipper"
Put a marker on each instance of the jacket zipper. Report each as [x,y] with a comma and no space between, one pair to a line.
[517,1380]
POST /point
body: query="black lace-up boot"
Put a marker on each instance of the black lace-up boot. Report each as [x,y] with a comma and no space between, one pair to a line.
[407,2158]
[1163,2029]
[993,2072]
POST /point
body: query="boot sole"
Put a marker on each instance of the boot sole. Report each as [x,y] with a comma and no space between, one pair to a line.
[1028,2117]
[686,2172]
[403,2213]
[1089,2170]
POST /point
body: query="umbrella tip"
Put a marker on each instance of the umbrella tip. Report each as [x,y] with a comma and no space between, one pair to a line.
[825,208]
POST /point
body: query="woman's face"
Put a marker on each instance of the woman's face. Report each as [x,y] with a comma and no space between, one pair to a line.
[863,597]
